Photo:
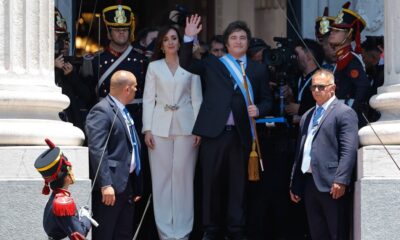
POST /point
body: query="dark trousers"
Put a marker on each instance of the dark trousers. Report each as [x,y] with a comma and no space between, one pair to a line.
[224,171]
[115,222]
[326,216]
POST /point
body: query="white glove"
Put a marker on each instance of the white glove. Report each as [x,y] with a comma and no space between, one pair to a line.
[85,212]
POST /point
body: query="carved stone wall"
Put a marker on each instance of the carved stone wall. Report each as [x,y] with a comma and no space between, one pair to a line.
[373,13]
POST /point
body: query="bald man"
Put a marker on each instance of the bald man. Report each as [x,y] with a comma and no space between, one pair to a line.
[325,158]
[116,161]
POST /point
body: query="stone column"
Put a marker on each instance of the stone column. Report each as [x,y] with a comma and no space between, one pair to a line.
[377,190]
[29,99]
[29,106]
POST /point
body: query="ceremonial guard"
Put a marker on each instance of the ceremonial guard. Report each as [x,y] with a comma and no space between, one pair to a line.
[352,84]
[61,218]
[322,31]
[118,55]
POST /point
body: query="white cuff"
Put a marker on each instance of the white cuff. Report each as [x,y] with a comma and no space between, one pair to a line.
[187,39]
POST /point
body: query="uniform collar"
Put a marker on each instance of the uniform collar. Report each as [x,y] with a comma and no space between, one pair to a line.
[114,52]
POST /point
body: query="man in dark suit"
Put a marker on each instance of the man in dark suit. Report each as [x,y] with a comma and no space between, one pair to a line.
[223,123]
[114,160]
[325,158]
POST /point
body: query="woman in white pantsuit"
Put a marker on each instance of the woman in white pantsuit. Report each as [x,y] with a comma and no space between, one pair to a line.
[171,102]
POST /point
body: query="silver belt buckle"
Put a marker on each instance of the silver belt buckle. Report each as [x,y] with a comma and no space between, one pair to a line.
[168,107]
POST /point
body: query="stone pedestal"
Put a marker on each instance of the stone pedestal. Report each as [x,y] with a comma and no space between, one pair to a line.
[377,194]
[377,190]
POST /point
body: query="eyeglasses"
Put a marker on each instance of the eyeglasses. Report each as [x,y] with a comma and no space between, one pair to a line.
[320,87]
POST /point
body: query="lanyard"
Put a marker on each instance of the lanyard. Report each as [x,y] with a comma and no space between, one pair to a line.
[300,95]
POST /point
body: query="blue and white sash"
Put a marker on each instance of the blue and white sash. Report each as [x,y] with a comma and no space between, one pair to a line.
[235,70]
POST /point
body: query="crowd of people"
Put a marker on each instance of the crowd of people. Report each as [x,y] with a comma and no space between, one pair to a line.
[169,119]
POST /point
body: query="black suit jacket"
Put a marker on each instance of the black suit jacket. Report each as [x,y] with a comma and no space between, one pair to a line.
[115,164]
[220,97]
[333,151]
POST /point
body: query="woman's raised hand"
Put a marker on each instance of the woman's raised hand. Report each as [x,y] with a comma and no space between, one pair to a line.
[193,26]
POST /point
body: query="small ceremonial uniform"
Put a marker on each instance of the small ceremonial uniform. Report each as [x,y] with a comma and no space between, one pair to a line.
[60,218]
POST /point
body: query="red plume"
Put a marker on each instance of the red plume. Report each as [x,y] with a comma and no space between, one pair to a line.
[346,5]
[50,143]
[326,12]
[119,2]
[358,38]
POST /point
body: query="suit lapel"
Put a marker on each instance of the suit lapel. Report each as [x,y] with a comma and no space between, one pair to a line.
[326,114]
[119,116]
[220,67]
[304,129]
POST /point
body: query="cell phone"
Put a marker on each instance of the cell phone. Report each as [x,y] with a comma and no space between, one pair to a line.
[74,60]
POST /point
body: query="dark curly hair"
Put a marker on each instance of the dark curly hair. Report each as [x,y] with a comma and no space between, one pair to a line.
[234,27]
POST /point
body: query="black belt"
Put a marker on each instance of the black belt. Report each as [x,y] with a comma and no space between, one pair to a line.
[229,127]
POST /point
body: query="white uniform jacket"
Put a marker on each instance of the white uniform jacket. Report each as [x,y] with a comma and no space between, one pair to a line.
[170,102]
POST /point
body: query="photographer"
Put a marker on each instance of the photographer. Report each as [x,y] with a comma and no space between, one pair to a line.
[310,55]
[66,75]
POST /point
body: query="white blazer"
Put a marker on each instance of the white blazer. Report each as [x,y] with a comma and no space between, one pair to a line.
[162,88]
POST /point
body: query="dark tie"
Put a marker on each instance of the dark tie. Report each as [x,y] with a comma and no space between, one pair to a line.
[135,140]
[239,61]
[317,115]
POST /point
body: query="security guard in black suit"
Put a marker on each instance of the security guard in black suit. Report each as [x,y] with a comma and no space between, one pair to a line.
[61,218]
[352,84]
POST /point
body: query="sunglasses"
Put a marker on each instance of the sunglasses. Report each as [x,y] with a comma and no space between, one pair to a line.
[320,87]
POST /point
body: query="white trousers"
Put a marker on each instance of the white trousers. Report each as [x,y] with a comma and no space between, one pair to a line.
[172,165]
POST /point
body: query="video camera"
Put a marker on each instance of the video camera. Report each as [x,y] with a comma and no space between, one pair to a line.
[283,57]
[282,62]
